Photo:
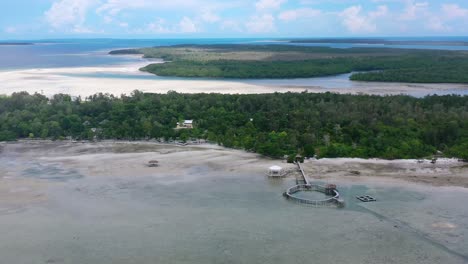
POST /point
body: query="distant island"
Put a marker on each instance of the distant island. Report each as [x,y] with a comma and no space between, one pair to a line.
[288,61]
[382,41]
[15,43]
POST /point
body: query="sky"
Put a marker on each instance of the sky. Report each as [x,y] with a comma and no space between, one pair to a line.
[33,19]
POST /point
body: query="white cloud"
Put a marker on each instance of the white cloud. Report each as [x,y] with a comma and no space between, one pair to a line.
[209,16]
[295,14]
[269,4]
[357,22]
[82,30]
[10,30]
[380,12]
[414,10]
[453,11]
[66,13]
[159,26]
[187,25]
[114,7]
[231,25]
[436,24]
[108,19]
[258,16]
[261,24]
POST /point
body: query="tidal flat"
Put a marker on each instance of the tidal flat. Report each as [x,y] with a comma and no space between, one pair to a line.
[65,202]
[126,78]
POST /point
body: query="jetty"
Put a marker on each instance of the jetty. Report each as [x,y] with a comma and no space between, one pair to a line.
[303,185]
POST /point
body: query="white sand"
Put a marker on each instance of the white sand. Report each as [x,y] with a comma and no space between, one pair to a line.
[55,80]
[49,81]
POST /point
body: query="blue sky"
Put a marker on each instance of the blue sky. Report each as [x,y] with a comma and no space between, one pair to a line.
[28,19]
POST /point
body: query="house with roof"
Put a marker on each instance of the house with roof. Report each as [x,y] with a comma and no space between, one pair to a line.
[186,124]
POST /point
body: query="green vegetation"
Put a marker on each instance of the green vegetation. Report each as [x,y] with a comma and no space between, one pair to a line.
[248,69]
[383,41]
[283,61]
[327,125]
[452,71]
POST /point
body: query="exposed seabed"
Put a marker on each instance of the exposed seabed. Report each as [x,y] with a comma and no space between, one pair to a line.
[99,203]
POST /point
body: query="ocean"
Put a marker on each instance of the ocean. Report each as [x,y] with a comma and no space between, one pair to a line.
[93,52]
[52,67]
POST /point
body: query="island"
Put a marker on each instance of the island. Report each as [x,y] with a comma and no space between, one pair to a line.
[288,61]
[276,125]
[15,43]
[377,41]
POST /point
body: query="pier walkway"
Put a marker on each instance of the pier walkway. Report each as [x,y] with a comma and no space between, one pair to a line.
[304,180]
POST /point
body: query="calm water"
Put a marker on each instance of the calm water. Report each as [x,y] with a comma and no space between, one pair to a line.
[220,217]
[90,52]
[84,52]
[94,52]
[330,83]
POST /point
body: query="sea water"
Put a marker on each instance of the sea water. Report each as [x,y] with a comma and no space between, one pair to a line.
[217,216]
[92,52]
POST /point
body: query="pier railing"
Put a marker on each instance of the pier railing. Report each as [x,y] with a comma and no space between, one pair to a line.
[334,198]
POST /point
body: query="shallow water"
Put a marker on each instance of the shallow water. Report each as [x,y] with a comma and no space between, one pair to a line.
[330,83]
[220,217]
[91,52]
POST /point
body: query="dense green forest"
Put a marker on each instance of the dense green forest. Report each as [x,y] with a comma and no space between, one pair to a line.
[283,61]
[249,69]
[326,125]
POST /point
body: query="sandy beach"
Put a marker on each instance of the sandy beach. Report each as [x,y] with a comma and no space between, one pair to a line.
[102,198]
[85,81]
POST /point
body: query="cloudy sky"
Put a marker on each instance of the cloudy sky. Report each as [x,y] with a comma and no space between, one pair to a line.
[234,18]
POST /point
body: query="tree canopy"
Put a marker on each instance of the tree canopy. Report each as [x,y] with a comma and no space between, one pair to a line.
[326,125]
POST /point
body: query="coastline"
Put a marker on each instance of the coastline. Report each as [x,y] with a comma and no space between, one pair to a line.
[83,81]
[448,172]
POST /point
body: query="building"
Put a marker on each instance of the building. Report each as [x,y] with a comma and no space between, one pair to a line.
[276,171]
[186,124]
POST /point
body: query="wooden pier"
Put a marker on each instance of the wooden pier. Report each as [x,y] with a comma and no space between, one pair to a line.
[304,179]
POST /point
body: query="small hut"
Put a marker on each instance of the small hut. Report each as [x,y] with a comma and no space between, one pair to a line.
[276,171]
[153,163]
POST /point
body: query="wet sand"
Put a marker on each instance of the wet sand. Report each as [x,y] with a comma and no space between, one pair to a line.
[99,203]
[85,81]
[446,172]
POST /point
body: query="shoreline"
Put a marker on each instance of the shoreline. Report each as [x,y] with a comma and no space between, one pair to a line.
[83,193]
[447,172]
[50,81]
